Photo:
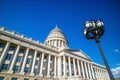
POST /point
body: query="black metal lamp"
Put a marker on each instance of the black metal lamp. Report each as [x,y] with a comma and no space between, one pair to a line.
[94,30]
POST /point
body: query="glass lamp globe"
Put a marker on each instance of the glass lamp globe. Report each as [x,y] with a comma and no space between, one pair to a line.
[85,31]
[93,24]
[87,24]
[100,23]
[90,24]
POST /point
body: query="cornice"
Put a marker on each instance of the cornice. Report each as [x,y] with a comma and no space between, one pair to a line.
[29,40]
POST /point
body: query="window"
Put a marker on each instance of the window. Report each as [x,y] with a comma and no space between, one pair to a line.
[28,61]
[38,55]
[1,48]
[16,68]
[26,79]
[21,51]
[36,62]
[36,71]
[12,48]
[30,53]
[14,78]
[5,66]
[8,56]
[1,78]
[2,45]
[19,58]
[26,70]
[45,57]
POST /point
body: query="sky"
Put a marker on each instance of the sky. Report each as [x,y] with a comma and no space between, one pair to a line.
[36,18]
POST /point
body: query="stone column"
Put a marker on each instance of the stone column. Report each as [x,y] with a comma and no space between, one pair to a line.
[59,67]
[99,73]
[86,70]
[98,76]
[64,66]
[24,62]
[63,43]
[41,65]
[96,73]
[53,42]
[69,66]
[83,73]
[103,75]
[55,66]
[33,64]
[92,72]
[14,59]
[3,55]
[89,70]
[74,67]
[48,68]
[48,42]
[78,68]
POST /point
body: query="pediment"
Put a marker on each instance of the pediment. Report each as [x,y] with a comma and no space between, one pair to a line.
[77,52]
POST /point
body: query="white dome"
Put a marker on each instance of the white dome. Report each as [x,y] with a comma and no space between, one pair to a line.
[56,38]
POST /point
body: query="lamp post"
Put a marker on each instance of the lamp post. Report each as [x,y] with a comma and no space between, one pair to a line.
[94,30]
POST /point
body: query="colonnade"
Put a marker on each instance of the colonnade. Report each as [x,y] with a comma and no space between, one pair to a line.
[101,74]
[22,67]
[57,42]
[85,69]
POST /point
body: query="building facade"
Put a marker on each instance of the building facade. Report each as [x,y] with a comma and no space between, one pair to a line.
[23,58]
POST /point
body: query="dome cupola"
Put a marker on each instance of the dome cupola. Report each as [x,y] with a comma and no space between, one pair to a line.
[56,38]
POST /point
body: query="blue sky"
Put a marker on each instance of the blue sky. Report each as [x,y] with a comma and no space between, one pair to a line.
[35,18]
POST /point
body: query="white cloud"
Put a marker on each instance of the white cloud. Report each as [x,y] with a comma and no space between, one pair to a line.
[116,71]
[116,50]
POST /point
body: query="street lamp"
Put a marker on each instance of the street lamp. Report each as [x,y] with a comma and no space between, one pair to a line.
[94,30]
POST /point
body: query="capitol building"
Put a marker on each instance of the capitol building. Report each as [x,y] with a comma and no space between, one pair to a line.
[24,58]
